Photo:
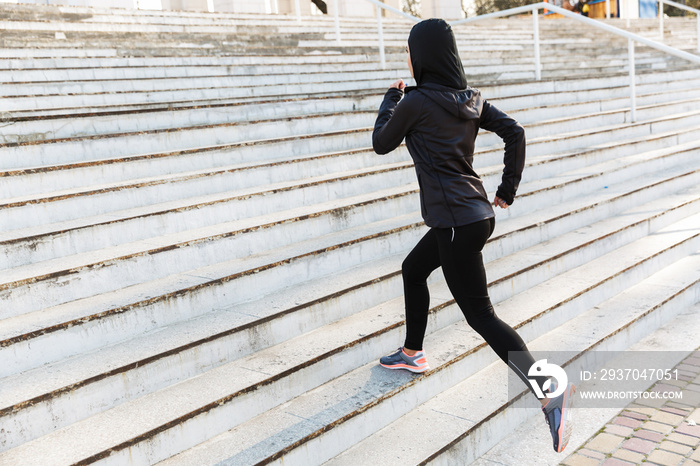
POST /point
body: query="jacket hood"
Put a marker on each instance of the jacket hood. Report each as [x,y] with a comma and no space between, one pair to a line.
[466,104]
[434,55]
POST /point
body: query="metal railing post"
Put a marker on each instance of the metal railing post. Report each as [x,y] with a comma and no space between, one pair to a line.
[536,40]
[633,91]
[661,18]
[674,4]
[382,58]
[336,13]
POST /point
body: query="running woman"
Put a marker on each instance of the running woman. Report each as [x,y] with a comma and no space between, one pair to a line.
[440,119]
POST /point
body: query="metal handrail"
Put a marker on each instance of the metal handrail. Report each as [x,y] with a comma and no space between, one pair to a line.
[534,8]
[631,39]
[682,7]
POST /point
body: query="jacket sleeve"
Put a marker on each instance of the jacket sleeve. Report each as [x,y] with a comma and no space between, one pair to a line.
[493,119]
[395,120]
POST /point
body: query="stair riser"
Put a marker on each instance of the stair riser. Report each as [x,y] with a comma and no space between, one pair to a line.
[94,70]
[34,103]
[616,118]
[71,151]
[100,66]
[579,103]
[549,89]
[477,73]
[105,232]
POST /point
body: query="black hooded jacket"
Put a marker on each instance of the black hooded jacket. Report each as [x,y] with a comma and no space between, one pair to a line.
[440,123]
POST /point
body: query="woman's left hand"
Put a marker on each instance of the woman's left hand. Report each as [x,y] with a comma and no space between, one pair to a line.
[498,202]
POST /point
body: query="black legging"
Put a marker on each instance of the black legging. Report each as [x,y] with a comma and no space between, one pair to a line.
[458,252]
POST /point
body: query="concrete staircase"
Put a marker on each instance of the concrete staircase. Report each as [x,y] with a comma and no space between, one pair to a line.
[201,253]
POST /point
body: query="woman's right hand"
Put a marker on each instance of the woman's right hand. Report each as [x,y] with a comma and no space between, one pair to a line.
[498,202]
[398,85]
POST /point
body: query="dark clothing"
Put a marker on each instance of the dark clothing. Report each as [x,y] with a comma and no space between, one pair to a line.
[440,126]
[440,119]
[458,252]
[434,55]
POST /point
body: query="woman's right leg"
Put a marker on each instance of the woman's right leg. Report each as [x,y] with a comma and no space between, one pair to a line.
[415,270]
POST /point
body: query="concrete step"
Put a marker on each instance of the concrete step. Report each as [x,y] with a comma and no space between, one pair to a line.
[373,398]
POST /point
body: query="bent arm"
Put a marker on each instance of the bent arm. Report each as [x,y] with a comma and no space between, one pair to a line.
[396,118]
[493,119]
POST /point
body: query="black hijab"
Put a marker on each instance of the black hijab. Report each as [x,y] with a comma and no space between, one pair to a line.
[434,55]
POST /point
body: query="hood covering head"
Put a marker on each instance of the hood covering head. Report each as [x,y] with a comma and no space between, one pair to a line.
[434,55]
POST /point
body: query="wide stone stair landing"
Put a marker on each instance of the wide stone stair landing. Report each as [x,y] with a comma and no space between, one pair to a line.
[201,252]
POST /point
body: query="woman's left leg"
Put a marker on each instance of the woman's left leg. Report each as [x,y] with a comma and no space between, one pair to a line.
[463,267]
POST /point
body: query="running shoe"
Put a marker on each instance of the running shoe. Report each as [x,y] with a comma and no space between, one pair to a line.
[557,412]
[400,360]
